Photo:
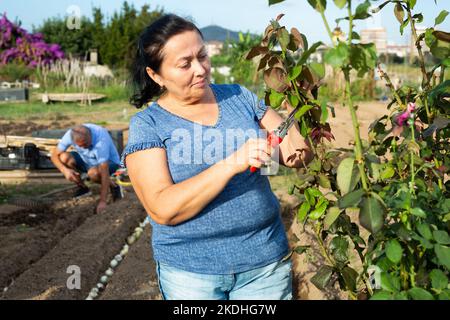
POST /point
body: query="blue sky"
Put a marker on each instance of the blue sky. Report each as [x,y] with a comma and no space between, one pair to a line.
[237,15]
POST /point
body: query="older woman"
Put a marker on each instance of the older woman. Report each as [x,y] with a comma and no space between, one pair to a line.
[217,230]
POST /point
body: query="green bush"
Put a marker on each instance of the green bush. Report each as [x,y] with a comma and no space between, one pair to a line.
[14,72]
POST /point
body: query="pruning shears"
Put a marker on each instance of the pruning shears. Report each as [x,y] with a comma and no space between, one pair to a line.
[276,136]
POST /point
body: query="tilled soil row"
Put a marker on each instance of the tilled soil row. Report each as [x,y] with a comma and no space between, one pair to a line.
[90,247]
[27,235]
[135,278]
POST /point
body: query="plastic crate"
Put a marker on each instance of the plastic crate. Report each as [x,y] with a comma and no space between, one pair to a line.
[15,158]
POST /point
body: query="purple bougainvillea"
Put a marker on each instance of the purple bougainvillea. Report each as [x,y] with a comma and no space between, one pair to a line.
[17,45]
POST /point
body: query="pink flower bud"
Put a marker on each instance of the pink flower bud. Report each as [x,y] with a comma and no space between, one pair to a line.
[401,119]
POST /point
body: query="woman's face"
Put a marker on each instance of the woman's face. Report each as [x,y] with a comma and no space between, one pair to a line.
[185,69]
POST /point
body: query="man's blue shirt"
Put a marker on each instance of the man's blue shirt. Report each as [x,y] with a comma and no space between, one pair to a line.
[102,147]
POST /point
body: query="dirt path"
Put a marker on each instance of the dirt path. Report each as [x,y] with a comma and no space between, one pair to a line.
[341,126]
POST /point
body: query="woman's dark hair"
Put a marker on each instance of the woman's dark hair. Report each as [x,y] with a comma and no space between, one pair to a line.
[149,54]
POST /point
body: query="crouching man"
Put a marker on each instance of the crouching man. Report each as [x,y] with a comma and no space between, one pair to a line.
[95,155]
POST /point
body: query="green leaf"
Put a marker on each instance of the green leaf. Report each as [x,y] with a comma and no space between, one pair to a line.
[441,237]
[308,52]
[401,296]
[304,109]
[394,251]
[443,254]
[444,295]
[315,192]
[412,3]
[418,212]
[347,175]
[293,100]
[350,276]
[382,295]
[371,214]
[303,211]
[441,17]
[275,99]
[387,173]
[399,12]
[340,3]
[324,182]
[418,17]
[318,212]
[384,264]
[351,199]
[332,214]
[389,282]
[439,280]
[324,114]
[404,25]
[318,69]
[295,72]
[283,38]
[361,12]
[338,56]
[322,277]
[424,242]
[339,248]
[272,2]
[318,5]
[420,294]
[446,62]
[425,231]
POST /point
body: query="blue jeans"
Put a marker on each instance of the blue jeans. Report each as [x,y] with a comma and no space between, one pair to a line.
[272,282]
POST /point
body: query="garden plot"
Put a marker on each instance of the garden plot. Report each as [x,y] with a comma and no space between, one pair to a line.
[90,242]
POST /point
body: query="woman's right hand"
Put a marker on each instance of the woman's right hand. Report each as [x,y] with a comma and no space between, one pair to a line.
[255,153]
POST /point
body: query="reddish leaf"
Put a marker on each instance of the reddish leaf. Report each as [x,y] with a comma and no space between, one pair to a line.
[281,15]
[256,51]
[275,78]
[263,62]
[297,38]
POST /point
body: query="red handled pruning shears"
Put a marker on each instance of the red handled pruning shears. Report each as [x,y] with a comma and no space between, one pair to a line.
[276,136]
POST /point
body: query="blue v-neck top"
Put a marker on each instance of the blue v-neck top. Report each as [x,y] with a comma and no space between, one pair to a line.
[240,229]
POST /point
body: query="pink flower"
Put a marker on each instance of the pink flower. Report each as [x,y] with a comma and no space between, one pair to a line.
[411,107]
[403,117]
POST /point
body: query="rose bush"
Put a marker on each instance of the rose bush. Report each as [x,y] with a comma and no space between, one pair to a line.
[397,180]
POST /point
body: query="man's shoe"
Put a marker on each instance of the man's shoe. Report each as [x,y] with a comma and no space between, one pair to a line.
[116,192]
[82,192]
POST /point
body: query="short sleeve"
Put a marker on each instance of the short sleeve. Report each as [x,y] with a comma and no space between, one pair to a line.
[65,141]
[142,135]
[258,106]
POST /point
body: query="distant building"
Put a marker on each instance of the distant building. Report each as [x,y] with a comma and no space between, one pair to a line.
[400,50]
[213,47]
[378,36]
